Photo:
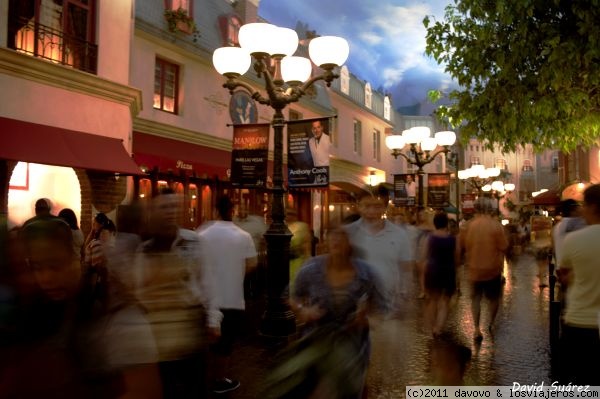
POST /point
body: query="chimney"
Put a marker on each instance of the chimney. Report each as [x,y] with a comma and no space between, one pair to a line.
[248,10]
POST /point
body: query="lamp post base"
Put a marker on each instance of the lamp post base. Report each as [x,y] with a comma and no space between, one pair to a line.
[278,320]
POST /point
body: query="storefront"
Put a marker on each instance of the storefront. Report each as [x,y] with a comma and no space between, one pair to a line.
[197,172]
[73,169]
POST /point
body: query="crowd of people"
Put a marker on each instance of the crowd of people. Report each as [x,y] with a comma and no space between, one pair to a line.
[143,308]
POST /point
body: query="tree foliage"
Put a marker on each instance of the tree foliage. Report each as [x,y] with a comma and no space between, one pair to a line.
[528,70]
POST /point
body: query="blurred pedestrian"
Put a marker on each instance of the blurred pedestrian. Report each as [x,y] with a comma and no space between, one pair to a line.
[483,242]
[381,244]
[335,297]
[177,291]
[42,209]
[230,253]
[424,227]
[300,243]
[69,216]
[441,253]
[65,346]
[402,219]
[570,220]
[580,272]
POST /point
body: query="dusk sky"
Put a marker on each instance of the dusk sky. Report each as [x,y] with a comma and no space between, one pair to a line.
[387,40]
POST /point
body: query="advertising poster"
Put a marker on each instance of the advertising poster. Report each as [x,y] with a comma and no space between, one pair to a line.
[438,190]
[468,203]
[405,190]
[308,153]
[249,155]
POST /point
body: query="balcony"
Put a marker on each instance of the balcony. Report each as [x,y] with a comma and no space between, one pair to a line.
[54,45]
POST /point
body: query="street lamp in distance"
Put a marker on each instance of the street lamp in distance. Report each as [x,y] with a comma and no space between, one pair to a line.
[286,79]
[420,144]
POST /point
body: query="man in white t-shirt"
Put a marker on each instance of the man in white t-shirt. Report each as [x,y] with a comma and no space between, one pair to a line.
[382,244]
[580,272]
[230,253]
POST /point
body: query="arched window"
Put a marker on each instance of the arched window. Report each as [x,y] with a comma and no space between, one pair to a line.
[387,108]
[345,80]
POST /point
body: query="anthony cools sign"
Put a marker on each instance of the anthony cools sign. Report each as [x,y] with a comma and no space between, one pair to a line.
[308,153]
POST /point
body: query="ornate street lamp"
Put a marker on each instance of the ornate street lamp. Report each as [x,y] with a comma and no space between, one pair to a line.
[420,145]
[286,79]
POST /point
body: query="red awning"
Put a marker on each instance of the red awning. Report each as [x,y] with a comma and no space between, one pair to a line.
[170,155]
[31,142]
[548,198]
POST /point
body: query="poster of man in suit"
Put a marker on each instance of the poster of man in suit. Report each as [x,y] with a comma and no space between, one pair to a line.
[308,153]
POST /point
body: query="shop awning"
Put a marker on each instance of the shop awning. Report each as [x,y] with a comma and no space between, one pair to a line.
[32,142]
[547,198]
[168,155]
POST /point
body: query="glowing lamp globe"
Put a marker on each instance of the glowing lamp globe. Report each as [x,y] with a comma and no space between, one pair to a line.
[326,51]
[231,60]
[295,70]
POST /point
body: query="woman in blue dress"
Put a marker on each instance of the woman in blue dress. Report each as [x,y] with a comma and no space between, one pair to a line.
[335,295]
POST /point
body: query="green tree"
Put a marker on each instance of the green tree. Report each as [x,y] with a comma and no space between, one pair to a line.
[528,70]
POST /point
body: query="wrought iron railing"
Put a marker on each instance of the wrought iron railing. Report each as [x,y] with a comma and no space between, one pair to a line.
[54,45]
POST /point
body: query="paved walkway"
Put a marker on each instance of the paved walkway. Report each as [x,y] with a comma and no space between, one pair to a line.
[518,351]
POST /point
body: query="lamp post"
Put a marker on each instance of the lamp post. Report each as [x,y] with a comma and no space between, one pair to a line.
[286,79]
[487,181]
[420,145]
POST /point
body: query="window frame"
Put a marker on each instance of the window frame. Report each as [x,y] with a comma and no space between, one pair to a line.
[357,137]
[376,145]
[163,62]
[169,5]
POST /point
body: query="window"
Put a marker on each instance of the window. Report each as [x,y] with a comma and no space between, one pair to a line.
[376,145]
[500,164]
[59,31]
[368,96]
[357,137]
[230,28]
[166,82]
[387,108]
[475,161]
[555,163]
[177,4]
[527,166]
[345,80]
[295,115]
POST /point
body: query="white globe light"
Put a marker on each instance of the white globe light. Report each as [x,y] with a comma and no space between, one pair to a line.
[493,172]
[445,138]
[231,60]
[463,174]
[295,69]
[257,37]
[422,132]
[509,187]
[486,188]
[483,174]
[395,142]
[411,136]
[428,144]
[285,41]
[498,185]
[328,50]
[476,169]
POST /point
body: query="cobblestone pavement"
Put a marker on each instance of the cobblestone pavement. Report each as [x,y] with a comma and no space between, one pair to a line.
[517,351]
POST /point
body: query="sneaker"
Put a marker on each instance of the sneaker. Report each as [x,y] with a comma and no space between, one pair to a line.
[225,385]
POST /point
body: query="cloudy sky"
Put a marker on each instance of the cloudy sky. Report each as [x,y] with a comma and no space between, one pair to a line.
[387,40]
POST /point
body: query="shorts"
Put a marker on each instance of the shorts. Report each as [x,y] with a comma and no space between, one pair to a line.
[492,289]
[231,327]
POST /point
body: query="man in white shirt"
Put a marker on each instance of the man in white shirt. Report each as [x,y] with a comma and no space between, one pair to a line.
[382,244]
[319,145]
[580,272]
[411,186]
[230,253]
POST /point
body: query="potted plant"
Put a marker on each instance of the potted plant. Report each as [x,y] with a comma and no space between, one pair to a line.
[180,21]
